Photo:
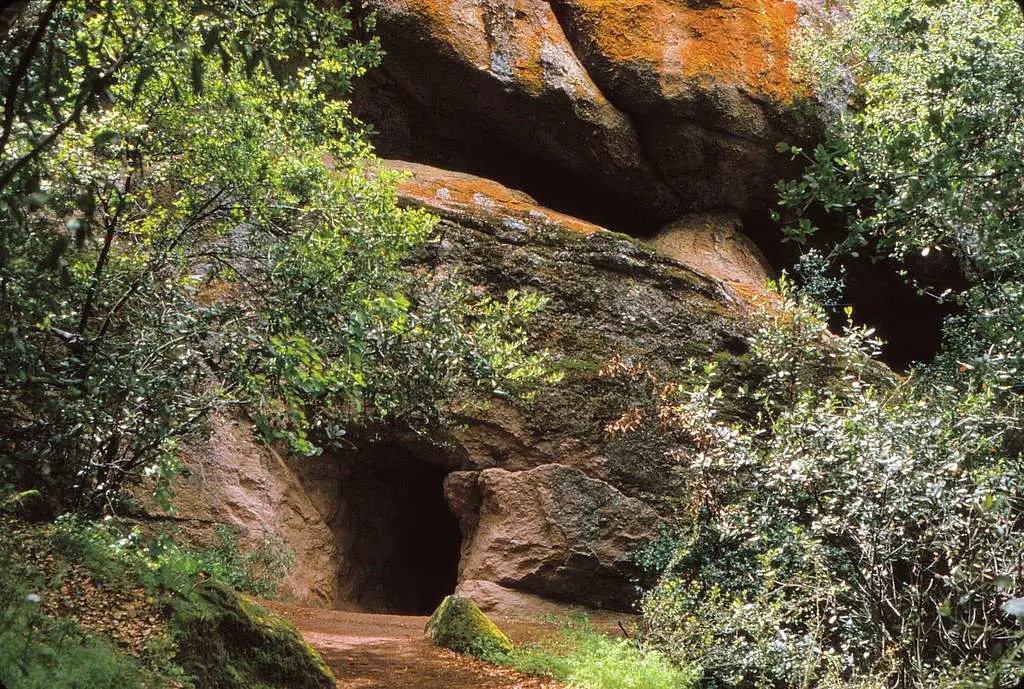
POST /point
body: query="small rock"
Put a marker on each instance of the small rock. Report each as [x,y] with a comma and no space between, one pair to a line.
[458,624]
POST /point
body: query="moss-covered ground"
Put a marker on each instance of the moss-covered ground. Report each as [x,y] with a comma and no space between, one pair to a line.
[86,605]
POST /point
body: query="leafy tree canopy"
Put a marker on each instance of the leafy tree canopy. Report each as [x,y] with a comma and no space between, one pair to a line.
[188,221]
[862,529]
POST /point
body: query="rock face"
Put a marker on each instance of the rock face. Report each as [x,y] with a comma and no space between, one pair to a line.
[551,530]
[526,501]
[630,114]
[621,110]
[233,480]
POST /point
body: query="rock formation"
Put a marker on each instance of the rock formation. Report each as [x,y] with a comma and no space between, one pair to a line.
[631,114]
[539,501]
[660,116]
[618,109]
[232,479]
[551,530]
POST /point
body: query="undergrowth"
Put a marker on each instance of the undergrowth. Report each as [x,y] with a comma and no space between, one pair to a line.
[116,552]
[582,658]
[62,583]
[38,651]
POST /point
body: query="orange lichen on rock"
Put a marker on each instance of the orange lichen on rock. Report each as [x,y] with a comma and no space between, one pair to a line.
[520,42]
[746,44]
[742,43]
[461,195]
[525,40]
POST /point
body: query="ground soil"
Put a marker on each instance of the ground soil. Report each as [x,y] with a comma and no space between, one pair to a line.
[390,652]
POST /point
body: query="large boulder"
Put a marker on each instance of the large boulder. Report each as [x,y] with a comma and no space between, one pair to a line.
[231,642]
[708,84]
[632,112]
[551,530]
[513,604]
[608,295]
[715,244]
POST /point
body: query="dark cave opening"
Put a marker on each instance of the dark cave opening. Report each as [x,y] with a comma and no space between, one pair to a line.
[910,323]
[400,542]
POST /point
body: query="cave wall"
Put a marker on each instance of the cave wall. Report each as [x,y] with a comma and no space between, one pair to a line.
[231,478]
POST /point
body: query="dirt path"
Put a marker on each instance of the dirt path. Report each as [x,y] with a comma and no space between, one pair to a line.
[390,652]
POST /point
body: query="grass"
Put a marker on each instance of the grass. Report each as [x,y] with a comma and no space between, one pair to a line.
[582,658]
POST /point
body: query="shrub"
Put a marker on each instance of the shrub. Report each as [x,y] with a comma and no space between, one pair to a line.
[186,244]
[923,156]
[866,530]
[113,551]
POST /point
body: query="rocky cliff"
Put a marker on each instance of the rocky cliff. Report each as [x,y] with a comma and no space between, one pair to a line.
[628,112]
[658,118]
[632,114]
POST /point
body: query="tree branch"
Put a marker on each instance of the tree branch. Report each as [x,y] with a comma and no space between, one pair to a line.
[20,71]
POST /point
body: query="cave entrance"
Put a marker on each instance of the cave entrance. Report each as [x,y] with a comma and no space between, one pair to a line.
[400,542]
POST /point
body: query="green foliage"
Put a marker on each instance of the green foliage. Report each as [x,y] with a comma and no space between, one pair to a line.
[818,281]
[116,553]
[656,556]
[862,531]
[217,637]
[582,658]
[917,486]
[228,642]
[206,233]
[39,652]
[259,572]
[459,624]
[927,126]
[924,154]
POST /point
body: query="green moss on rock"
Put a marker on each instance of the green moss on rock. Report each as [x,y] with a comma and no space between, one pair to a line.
[225,641]
[460,625]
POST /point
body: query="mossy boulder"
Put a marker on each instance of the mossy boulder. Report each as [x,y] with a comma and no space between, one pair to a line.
[226,641]
[460,625]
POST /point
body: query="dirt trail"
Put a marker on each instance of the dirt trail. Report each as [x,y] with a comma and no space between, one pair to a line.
[390,652]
